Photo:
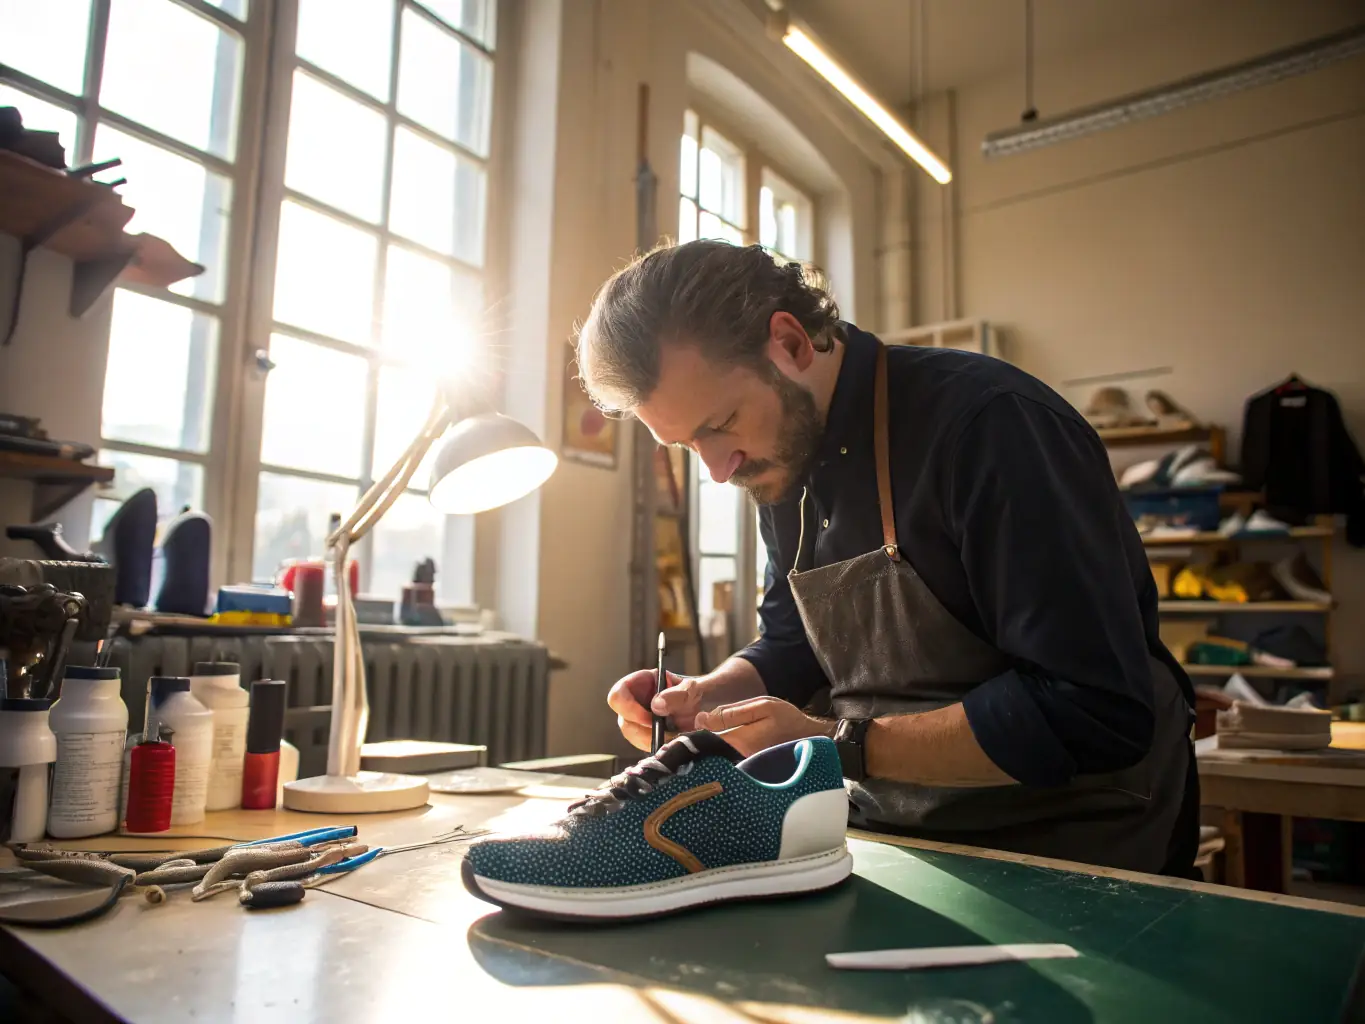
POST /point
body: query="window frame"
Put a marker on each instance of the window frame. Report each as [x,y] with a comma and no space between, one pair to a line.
[458,542]
[240,171]
[231,460]
[759,169]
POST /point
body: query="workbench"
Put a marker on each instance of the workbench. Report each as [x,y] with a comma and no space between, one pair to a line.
[1261,792]
[400,940]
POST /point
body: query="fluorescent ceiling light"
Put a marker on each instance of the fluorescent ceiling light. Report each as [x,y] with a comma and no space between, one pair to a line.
[832,72]
[1272,67]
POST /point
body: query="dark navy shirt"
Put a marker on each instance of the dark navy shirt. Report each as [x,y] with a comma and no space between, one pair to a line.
[1007,508]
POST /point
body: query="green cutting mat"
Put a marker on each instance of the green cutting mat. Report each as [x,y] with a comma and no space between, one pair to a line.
[1148,954]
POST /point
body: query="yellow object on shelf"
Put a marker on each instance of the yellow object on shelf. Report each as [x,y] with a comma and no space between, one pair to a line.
[1188,584]
[272,620]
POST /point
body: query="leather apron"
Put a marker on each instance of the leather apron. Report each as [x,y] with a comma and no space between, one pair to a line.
[889,647]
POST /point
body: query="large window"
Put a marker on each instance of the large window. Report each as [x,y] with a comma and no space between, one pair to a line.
[354,190]
[377,278]
[721,180]
[81,68]
[784,218]
[712,182]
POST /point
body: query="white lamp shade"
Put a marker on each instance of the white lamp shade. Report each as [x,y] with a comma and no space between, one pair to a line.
[486,461]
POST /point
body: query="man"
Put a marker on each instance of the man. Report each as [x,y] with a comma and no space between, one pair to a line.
[952,575]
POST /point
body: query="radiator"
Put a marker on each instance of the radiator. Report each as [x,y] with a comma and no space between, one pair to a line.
[489,690]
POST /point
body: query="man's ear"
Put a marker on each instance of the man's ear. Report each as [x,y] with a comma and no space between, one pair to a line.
[789,346]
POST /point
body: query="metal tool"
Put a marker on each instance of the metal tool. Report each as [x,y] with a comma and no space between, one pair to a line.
[660,684]
[273,872]
[259,892]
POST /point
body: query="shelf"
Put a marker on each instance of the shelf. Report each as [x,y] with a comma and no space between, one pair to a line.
[1259,671]
[1298,533]
[72,216]
[55,481]
[1201,607]
[1131,437]
[85,221]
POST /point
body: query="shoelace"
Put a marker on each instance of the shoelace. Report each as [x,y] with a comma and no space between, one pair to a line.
[638,780]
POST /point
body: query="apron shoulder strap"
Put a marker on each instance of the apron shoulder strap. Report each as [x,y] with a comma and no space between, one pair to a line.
[882,449]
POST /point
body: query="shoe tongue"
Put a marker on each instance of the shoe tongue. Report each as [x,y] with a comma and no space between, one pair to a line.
[694,746]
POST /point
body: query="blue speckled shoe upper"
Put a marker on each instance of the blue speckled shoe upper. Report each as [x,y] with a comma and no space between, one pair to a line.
[605,846]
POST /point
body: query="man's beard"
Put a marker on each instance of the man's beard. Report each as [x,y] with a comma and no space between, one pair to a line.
[798,443]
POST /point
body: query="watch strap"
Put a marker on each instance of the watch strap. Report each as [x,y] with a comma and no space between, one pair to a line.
[850,736]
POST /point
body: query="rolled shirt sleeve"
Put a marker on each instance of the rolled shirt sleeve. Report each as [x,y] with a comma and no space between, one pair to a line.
[1043,533]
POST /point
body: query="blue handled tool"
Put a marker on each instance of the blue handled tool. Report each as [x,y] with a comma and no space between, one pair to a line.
[311,837]
[283,893]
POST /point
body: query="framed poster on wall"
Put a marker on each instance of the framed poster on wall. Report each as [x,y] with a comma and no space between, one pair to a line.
[589,436]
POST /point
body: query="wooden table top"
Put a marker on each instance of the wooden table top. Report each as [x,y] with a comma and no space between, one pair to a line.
[400,940]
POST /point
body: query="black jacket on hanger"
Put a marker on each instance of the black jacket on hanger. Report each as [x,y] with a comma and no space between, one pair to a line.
[1296,447]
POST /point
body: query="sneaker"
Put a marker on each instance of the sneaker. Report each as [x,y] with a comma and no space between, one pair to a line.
[1232,525]
[692,825]
[1262,521]
[1203,472]
[1299,580]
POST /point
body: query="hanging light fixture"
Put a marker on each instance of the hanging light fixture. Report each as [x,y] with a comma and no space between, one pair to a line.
[802,42]
[1272,67]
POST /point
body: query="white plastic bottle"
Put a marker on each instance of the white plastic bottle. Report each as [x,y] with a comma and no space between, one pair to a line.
[190,726]
[218,686]
[90,722]
[289,766]
[27,750]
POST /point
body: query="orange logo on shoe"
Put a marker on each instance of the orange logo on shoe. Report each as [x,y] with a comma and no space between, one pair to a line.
[656,820]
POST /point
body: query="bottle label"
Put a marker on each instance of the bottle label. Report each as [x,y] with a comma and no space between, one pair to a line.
[191,784]
[225,767]
[85,780]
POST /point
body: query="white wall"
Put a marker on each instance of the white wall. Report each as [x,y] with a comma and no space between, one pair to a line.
[1226,241]
[53,368]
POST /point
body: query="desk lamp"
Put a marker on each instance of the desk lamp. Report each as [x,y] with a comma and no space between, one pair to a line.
[487,460]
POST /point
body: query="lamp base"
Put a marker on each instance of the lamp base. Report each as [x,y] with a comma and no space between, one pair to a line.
[362,793]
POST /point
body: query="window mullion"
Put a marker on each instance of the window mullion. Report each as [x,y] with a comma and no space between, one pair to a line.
[94,75]
[366,546]
[128,126]
[221,18]
[276,23]
[448,28]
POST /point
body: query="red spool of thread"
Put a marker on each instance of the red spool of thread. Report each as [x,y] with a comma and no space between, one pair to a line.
[151,784]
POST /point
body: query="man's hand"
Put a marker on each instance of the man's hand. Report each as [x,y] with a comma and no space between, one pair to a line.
[633,696]
[761,723]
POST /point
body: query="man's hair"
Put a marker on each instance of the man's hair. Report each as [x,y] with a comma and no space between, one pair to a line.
[714,295]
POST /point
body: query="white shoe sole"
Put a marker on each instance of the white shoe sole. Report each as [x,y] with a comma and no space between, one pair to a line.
[761,880]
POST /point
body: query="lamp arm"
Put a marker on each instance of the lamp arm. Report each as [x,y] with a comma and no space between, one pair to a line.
[350,702]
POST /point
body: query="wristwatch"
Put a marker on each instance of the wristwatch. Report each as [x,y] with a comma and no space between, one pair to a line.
[849,736]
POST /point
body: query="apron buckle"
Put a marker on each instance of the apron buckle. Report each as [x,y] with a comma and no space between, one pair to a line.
[892,552]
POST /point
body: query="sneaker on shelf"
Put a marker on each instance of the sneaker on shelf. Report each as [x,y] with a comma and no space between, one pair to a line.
[1169,415]
[1138,474]
[1168,531]
[1232,525]
[1262,521]
[691,825]
[1239,689]
[1299,579]
[1203,472]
